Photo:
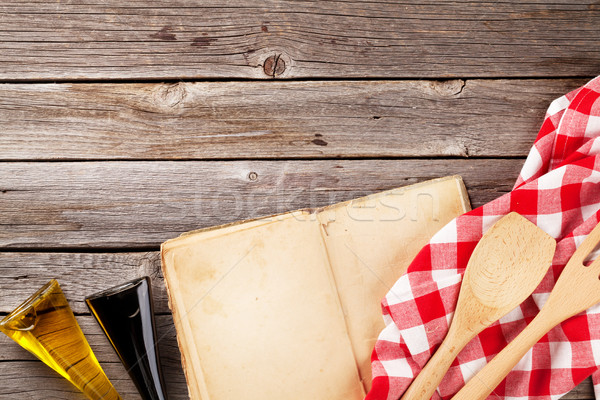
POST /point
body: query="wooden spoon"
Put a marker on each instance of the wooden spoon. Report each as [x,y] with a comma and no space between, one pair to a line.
[576,290]
[506,266]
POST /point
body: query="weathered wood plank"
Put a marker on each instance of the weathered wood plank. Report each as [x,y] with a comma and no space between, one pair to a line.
[291,39]
[19,371]
[32,380]
[169,351]
[140,204]
[13,359]
[585,390]
[274,119]
[79,274]
[22,377]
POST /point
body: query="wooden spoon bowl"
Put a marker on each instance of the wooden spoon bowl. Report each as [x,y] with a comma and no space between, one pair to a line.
[576,290]
[506,266]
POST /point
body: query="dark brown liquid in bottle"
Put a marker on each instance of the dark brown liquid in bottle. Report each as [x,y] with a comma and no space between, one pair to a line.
[126,316]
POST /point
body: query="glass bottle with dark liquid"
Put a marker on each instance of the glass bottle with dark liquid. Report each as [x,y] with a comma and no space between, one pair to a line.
[126,315]
[45,326]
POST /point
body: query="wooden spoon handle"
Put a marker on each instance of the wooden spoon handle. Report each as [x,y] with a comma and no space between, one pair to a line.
[485,381]
[575,291]
[423,387]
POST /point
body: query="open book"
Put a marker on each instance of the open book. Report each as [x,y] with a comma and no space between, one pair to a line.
[288,306]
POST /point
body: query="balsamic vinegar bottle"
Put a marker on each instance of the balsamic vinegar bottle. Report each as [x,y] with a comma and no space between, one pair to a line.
[125,313]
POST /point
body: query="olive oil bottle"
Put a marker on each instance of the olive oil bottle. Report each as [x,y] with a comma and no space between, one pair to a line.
[45,326]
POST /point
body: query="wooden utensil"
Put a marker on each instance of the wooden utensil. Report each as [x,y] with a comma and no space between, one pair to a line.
[506,266]
[577,289]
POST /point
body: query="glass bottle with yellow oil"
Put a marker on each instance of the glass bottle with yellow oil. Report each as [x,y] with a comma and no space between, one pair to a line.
[45,326]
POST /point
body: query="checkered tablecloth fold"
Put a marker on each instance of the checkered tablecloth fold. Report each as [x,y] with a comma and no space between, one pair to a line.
[558,189]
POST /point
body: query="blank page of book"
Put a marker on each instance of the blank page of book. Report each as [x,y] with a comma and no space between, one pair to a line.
[258,311]
[372,240]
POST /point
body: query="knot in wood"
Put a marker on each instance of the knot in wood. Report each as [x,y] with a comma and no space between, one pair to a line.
[450,87]
[274,66]
[172,95]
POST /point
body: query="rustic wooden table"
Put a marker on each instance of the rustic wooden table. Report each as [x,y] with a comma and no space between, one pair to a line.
[126,123]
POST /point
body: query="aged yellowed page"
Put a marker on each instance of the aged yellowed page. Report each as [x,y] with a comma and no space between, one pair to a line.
[287,306]
[258,315]
[372,240]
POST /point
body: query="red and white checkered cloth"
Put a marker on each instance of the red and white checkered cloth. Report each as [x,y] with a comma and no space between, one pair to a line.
[559,190]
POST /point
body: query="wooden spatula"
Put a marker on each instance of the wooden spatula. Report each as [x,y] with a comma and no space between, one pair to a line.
[506,266]
[577,289]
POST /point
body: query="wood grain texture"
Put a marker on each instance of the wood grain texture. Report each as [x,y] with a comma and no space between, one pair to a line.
[42,40]
[169,351]
[31,380]
[81,274]
[90,219]
[21,373]
[15,362]
[140,204]
[217,120]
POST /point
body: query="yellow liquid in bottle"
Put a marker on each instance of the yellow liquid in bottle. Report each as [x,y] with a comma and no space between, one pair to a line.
[45,326]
